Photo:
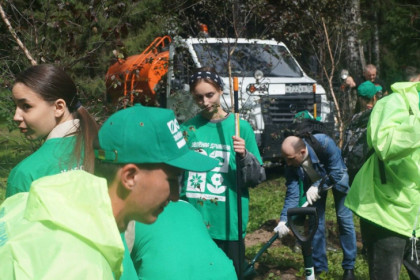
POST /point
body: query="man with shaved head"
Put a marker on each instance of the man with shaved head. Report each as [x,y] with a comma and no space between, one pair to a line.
[305,172]
[293,150]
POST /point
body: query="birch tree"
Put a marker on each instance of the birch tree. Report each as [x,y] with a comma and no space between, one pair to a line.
[355,56]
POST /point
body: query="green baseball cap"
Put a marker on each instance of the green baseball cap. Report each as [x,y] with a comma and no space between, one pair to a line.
[141,134]
[368,89]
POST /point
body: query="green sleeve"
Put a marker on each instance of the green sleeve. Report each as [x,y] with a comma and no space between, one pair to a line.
[18,182]
[129,272]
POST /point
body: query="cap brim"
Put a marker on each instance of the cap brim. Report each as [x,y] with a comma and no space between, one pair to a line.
[378,88]
[194,161]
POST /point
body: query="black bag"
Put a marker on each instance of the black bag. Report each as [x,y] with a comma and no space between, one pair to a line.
[305,129]
[355,149]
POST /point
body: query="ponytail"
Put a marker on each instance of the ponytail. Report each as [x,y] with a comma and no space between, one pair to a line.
[88,131]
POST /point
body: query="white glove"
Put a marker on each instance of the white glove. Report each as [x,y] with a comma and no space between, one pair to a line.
[312,195]
[281,229]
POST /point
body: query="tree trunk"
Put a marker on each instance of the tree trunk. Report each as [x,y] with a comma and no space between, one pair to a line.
[353,42]
[376,53]
[347,96]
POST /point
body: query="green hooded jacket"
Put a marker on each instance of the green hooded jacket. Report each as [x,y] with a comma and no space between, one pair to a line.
[394,133]
[63,228]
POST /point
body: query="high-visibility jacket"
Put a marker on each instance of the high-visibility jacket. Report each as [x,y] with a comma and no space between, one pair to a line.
[394,133]
[63,228]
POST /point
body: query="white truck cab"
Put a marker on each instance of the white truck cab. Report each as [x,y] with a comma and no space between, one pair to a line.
[272,85]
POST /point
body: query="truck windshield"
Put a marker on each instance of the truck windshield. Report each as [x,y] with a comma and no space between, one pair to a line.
[272,60]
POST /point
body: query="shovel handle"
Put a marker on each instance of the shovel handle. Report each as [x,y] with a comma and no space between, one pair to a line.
[265,247]
[301,211]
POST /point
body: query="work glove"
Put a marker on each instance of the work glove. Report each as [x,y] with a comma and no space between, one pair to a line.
[312,195]
[281,229]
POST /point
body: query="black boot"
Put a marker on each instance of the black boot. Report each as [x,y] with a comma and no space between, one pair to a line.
[348,274]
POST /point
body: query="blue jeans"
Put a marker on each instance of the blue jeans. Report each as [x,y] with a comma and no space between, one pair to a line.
[387,251]
[346,230]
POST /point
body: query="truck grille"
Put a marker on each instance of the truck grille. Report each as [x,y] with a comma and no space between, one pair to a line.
[278,113]
[281,109]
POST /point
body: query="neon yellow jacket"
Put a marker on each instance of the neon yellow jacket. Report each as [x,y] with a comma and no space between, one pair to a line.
[394,133]
[63,228]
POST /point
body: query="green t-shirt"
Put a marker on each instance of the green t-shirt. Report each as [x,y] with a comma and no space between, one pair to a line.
[129,273]
[178,247]
[53,157]
[213,193]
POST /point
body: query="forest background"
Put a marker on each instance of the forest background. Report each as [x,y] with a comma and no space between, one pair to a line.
[86,37]
[325,36]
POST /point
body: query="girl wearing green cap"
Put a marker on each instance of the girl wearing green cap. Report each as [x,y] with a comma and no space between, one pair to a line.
[367,93]
[48,108]
[355,148]
[213,194]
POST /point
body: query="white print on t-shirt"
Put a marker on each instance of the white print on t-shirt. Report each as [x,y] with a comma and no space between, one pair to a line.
[223,158]
[199,144]
[174,128]
[196,182]
[216,186]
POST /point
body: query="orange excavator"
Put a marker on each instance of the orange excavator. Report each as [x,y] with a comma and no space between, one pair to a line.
[138,77]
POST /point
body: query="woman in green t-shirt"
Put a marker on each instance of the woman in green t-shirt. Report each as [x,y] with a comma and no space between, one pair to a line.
[213,194]
[48,108]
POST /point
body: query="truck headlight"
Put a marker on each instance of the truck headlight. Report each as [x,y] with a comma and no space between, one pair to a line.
[258,75]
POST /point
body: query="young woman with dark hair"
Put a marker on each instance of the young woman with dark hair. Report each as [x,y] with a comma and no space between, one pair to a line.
[47,107]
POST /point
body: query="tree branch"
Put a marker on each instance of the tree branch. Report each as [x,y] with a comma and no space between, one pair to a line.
[330,77]
[18,41]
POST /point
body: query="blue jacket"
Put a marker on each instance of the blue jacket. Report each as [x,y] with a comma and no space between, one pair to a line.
[334,167]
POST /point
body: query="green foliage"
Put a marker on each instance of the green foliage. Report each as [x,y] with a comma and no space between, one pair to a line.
[79,36]
[87,37]
[6,109]
[14,149]
[399,26]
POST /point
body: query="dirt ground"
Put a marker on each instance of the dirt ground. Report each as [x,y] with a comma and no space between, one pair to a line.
[261,236]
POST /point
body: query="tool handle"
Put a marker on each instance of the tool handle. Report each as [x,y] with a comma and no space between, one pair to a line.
[265,247]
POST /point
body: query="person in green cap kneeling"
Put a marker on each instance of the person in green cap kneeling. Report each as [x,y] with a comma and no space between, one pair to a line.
[68,225]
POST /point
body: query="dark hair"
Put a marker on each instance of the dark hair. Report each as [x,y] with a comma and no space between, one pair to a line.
[411,73]
[52,83]
[106,170]
[207,80]
[362,101]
